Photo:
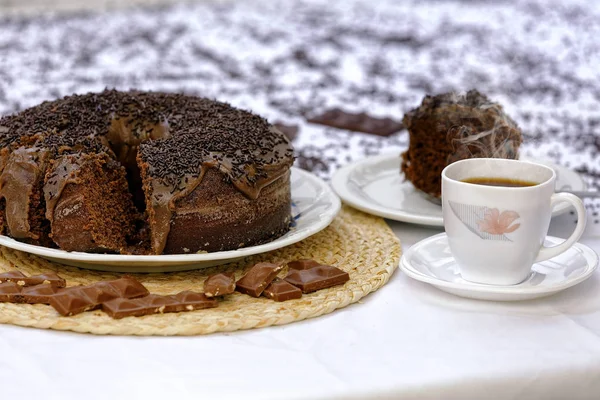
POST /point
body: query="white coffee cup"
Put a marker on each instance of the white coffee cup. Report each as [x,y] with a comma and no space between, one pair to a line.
[496,233]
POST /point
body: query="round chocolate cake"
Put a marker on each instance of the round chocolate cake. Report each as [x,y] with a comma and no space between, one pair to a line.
[142,173]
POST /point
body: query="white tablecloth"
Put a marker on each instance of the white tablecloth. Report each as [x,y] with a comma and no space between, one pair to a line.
[290,58]
[407,340]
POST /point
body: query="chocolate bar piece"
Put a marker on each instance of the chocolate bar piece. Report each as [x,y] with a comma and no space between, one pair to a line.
[49,277]
[24,280]
[156,304]
[321,277]
[219,284]
[12,292]
[126,287]
[39,294]
[280,290]
[290,131]
[362,122]
[12,276]
[258,278]
[77,299]
[303,264]
[9,292]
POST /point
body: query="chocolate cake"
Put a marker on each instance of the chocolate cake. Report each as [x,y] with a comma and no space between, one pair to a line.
[142,172]
[450,127]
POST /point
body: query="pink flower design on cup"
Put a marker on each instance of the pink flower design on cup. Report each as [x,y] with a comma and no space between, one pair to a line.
[496,223]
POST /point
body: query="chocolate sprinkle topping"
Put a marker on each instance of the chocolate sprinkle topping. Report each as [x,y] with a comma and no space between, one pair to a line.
[201,129]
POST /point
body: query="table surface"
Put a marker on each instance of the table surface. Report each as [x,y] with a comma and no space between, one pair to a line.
[407,340]
[287,60]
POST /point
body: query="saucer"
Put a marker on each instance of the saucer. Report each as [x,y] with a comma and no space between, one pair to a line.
[430,261]
[376,185]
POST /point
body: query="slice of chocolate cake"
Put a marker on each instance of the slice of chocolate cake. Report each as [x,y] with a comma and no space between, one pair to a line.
[22,197]
[88,203]
[450,127]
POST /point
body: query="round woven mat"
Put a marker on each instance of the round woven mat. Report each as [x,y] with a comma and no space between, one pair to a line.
[358,243]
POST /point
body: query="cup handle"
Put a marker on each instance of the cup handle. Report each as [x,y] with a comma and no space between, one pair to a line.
[549,252]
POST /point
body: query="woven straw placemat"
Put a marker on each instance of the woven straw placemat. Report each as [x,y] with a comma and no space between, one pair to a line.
[361,244]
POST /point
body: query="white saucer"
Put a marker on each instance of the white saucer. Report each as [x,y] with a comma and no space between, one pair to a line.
[375,185]
[430,261]
[315,205]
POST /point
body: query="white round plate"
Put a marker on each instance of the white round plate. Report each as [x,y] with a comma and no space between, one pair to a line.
[430,261]
[315,205]
[376,185]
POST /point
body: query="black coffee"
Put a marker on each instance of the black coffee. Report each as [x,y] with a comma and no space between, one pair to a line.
[505,182]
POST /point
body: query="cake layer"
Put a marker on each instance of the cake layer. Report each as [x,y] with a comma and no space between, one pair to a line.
[88,204]
[216,216]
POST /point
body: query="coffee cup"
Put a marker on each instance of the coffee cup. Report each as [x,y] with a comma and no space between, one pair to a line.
[496,232]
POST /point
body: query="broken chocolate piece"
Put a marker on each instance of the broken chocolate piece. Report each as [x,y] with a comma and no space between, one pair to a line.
[219,284]
[304,263]
[321,277]
[12,276]
[9,292]
[39,294]
[258,278]
[290,131]
[24,280]
[157,304]
[151,304]
[280,290]
[12,292]
[126,287]
[49,277]
[77,299]
[362,122]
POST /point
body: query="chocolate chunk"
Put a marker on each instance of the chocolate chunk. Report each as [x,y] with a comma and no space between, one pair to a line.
[77,299]
[126,287]
[219,284]
[362,122]
[280,290]
[258,278]
[39,294]
[291,131]
[12,292]
[24,280]
[317,278]
[304,263]
[12,276]
[156,304]
[50,277]
[9,292]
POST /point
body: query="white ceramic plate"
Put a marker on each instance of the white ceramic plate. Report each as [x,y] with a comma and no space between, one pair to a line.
[375,185]
[430,261]
[315,205]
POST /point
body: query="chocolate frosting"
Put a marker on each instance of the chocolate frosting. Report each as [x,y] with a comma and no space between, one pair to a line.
[23,171]
[177,137]
[250,158]
[164,196]
[63,171]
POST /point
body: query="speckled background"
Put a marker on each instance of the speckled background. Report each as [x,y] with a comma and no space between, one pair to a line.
[290,59]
